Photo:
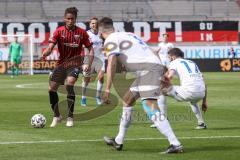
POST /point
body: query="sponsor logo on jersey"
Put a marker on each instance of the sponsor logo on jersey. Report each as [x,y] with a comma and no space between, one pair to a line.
[73,45]
[77,37]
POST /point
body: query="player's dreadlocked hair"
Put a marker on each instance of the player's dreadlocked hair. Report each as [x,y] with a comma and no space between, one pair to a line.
[106,23]
[176,52]
[71,10]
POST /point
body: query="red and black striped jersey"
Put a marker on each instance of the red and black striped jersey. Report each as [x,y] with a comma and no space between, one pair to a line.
[70,42]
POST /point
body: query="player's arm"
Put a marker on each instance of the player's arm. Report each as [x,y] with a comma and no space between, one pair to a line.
[91,55]
[21,51]
[204,101]
[88,44]
[10,51]
[111,70]
[52,43]
[170,74]
[48,50]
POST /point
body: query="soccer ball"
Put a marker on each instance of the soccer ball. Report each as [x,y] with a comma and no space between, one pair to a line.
[38,121]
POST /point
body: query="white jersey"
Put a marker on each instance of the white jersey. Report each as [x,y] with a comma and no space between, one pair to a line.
[132,49]
[97,44]
[189,74]
[163,52]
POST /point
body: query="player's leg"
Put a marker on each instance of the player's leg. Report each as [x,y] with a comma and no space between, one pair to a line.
[128,101]
[181,94]
[70,82]
[162,104]
[53,97]
[99,87]
[176,92]
[13,63]
[55,80]
[198,114]
[18,61]
[85,82]
[162,124]
[149,90]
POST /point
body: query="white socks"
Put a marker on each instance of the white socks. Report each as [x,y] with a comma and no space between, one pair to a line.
[162,104]
[99,89]
[124,124]
[164,127]
[197,112]
[84,89]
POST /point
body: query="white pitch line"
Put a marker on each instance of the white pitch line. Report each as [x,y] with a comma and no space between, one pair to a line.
[99,140]
[30,85]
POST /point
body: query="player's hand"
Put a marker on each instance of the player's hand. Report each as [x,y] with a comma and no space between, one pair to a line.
[106,97]
[204,107]
[165,82]
[86,68]
[43,58]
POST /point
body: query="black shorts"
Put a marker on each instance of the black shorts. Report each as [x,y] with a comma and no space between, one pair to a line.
[60,74]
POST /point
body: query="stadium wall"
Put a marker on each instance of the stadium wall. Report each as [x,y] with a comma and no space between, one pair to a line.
[151,32]
[215,39]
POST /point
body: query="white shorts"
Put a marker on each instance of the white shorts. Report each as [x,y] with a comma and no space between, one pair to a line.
[181,93]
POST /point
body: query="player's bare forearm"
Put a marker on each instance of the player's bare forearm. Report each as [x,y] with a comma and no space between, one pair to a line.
[48,50]
[204,101]
[91,55]
[111,69]
[169,74]
[205,97]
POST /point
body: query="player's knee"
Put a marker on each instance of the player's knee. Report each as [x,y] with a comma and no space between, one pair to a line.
[100,78]
[52,89]
[71,80]
[70,90]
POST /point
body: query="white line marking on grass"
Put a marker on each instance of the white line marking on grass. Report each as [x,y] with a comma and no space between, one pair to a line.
[31,85]
[100,140]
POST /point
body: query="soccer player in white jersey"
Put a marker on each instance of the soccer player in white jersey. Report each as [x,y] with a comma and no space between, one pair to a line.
[136,56]
[192,86]
[98,65]
[163,49]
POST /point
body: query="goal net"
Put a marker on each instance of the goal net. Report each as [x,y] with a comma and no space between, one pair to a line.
[26,63]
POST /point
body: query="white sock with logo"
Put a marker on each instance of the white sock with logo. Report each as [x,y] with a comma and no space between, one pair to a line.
[84,89]
[164,127]
[197,112]
[162,104]
[99,89]
[124,124]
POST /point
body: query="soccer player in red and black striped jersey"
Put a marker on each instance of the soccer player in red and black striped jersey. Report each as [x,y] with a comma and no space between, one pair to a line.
[69,39]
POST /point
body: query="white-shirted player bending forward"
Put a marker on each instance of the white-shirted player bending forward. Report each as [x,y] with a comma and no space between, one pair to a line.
[136,56]
[192,86]
[98,65]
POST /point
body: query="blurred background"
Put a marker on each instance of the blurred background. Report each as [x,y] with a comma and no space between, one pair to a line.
[205,29]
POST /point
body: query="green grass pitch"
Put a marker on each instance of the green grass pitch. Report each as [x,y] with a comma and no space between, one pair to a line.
[18,140]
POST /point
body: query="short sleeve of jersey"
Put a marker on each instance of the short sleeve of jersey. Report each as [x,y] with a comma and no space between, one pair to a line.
[86,39]
[54,38]
[111,46]
[173,66]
